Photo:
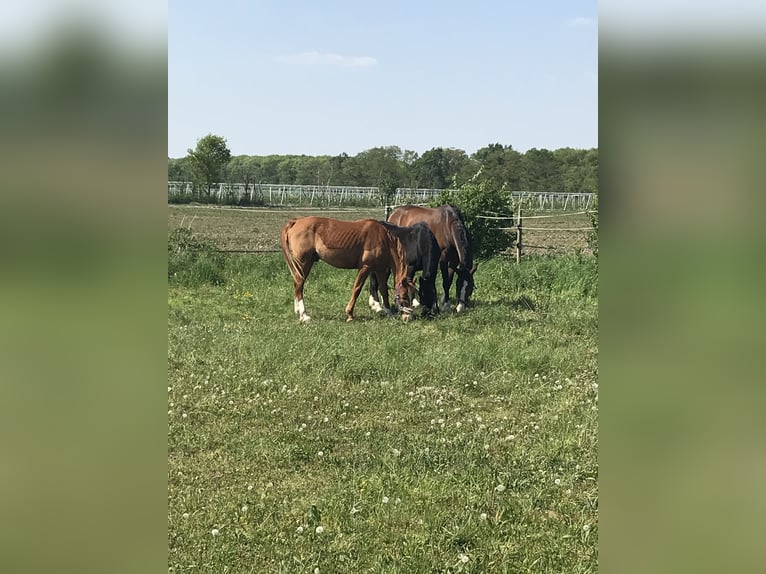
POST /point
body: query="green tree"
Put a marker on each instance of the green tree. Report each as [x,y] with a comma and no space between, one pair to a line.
[208,160]
[541,171]
[178,169]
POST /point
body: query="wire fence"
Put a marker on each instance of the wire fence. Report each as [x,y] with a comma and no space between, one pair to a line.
[291,195]
[229,226]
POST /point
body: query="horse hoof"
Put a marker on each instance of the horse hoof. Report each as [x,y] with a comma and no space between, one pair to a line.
[415,303]
[349,319]
[304,319]
[459,308]
[405,317]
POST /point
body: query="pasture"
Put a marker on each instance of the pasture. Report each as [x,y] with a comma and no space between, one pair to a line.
[467,443]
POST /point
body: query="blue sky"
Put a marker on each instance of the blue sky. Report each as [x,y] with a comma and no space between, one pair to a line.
[327,77]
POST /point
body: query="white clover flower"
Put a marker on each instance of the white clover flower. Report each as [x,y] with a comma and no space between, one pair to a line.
[367,433]
[586,527]
[385,500]
[396,451]
[244,508]
[325,419]
[185,515]
[557,482]
[500,488]
[568,491]
[320,453]
[463,558]
[319,529]
[215,532]
[184,415]
[483,516]
[316,570]
[299,530]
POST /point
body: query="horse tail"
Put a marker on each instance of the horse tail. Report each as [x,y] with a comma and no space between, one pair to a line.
[292,263]
[460,238]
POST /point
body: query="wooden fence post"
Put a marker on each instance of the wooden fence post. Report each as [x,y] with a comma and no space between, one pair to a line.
[518,236]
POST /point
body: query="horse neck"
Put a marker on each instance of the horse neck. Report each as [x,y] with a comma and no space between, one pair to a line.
[399,257]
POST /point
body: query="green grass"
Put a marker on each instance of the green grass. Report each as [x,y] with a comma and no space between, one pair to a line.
[411,445]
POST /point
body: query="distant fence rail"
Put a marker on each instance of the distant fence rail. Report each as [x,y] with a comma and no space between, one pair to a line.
[327,195]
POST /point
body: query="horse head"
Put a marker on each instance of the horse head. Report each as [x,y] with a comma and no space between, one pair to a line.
[403,295]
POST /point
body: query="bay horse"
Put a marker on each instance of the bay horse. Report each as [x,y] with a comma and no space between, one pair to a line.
[366,245]
[448,226]
[422,255]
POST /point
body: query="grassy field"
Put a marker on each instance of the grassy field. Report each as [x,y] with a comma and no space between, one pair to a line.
[467,443]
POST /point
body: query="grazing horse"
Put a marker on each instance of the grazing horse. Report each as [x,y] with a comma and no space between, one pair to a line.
[448,226]
[366,245]
[422,255]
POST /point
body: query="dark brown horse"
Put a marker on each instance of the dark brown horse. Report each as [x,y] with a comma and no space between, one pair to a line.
[422,255]
[365,245]
[447,224]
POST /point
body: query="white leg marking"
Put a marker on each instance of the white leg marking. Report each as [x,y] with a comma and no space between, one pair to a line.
[461,305]
[374,305]
[415,303]
[301,310]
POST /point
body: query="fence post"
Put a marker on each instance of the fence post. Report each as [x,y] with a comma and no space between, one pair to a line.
[518,235]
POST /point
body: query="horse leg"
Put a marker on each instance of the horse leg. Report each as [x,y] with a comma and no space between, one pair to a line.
[427,291]
[411,274]
[382,279]
[446,283]
[460,295]
[374,295]
[299,281]
[358,283]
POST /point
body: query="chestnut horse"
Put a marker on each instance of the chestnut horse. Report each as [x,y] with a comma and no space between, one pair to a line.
[448,226]
[365,245]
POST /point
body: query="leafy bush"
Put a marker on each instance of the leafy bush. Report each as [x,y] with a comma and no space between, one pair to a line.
[193,261]
[476,198]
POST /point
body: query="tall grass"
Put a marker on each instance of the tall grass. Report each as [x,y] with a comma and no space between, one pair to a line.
[466,443]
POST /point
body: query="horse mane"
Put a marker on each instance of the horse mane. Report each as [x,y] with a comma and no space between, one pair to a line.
[460,236]
[401,251]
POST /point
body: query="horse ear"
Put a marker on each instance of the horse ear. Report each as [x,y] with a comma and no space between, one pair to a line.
[473,269]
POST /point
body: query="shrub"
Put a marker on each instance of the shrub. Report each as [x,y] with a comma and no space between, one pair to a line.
[481,198]
[193,261]
[593,235]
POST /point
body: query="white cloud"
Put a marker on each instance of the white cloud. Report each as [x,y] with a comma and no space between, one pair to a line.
[318,59]
[581,22]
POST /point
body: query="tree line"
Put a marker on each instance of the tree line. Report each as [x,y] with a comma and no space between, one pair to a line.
[498,166]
